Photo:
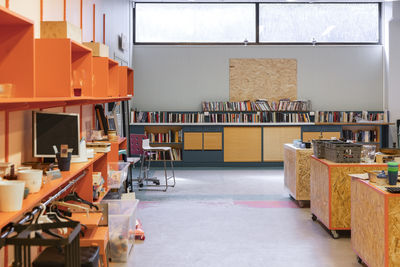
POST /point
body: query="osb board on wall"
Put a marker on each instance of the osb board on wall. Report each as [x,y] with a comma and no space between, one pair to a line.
[303,157]
[319,190]
[394,230]
[262,78]
[341,193]
[368,223]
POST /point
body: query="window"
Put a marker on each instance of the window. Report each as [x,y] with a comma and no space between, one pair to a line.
[194,23]
[292,23]
[332,23]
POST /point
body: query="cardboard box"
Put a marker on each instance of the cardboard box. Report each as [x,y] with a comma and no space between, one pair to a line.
[60,29]
[98,49]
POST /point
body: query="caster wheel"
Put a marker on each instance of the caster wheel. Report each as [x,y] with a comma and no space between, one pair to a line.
[359,260]
[301,204]
[335,234]
[157,183]
[140,185]
[313,217]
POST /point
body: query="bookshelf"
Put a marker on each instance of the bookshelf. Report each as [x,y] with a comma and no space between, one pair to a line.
[171,136]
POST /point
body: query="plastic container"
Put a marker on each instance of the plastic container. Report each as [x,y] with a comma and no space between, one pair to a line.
[117,174]
[368,153]
[319,148]
[121,225]
[33,179]
[11,195]
[393,171]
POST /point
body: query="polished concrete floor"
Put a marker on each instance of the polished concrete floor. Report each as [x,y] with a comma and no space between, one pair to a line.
[232,217]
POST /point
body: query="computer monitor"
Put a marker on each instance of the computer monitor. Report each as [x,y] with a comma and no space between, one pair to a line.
[57,129]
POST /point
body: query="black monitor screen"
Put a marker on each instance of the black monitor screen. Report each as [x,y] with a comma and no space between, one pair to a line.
[54,129]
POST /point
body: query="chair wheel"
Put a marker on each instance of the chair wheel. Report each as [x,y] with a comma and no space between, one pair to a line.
[359,260]
[141,185]
[313,217]
[157,182]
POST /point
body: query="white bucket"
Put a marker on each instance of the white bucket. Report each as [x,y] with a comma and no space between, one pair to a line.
[11,195]
[32,178]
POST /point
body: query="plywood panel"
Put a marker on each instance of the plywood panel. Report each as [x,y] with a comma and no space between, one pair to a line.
[319,190]
[242,144]
[289,160]
[309,136]
[193,141]
[2,136]
[303,157]
[394,230]
[341,192]
[368,223]
[267,78]
[20,137]
[212,141]
[330,135]
[275,138]
[54,110]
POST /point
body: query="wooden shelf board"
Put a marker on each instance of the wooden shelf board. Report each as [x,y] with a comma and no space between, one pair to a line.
[47,102]
[166,143]
[112,63]
[91,219]
[105,193]
[77,47]
[352,123]
[48,189]
[121,140]
[8,17]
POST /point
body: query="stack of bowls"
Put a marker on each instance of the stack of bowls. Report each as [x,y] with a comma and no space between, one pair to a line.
[11,195]
[32,178]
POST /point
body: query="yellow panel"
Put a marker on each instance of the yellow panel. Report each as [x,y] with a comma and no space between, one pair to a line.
[212,141]
[309,136]
[329,135]
[193,141]
[60,29]
[275,138]
[242,144]
[98,49]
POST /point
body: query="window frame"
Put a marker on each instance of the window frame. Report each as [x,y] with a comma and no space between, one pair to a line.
[257,26]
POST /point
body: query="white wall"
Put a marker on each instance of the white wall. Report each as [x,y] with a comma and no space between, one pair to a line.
[332,77]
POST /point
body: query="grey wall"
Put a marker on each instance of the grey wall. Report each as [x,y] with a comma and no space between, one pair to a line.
[332,77]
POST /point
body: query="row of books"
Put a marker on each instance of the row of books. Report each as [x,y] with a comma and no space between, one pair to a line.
[171,117]
[176,155]
[351,116]
[169,137]
[260,117]
[259,105]
[166,117]
[361,136]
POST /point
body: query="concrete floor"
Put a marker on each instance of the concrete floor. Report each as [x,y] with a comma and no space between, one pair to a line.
[232,217]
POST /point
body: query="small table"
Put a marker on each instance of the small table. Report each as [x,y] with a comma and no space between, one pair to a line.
[375,223]
[297,172]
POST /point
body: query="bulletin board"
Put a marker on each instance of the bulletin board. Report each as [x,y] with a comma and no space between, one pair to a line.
[262,78]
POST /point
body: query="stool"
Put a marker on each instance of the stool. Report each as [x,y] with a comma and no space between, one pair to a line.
[99,237]
[53,257]
[148,152]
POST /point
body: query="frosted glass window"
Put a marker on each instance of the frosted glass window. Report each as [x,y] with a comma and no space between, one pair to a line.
[193,23]
[333,23]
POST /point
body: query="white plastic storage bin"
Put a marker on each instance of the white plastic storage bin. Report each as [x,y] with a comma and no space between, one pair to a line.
[117,174]
[121,225]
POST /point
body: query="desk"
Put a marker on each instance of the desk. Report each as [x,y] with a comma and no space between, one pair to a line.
[297,172]
[330,193]
[375,224]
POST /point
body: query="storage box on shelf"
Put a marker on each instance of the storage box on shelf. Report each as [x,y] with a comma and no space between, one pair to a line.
[113,81]
[117,174]
[98,49]
[122,225]
[60,30]
[106,77]
[63,64]
[16,54]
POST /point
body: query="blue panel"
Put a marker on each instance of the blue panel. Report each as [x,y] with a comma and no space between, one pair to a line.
[134,129]
[202,156]
[213,128]
[192,128]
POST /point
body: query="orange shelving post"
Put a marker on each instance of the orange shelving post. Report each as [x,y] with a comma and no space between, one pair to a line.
[130,91]
[123,80]
[113,90]
[62,65]
[100,76]
[17,53]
